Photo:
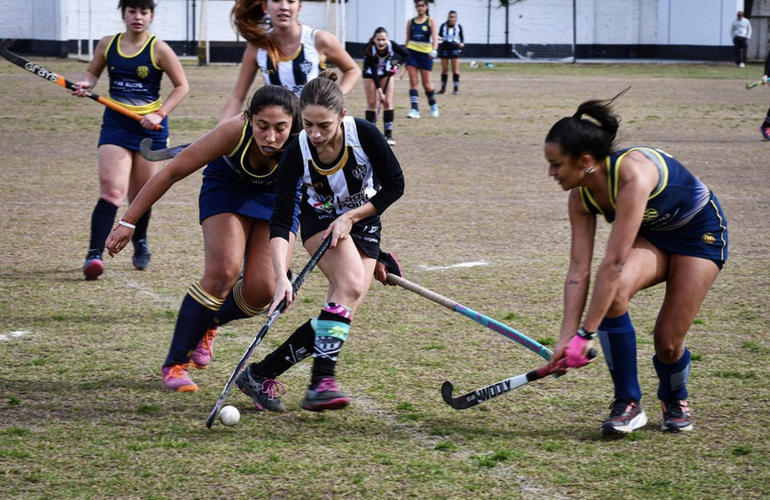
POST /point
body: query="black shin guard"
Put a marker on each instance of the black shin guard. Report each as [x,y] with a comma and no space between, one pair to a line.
[102,219]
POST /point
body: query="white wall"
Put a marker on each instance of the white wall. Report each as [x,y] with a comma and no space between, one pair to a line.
[685,22]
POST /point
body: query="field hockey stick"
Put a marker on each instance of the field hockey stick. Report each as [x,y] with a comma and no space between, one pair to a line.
[268,323]
[379,104]
[488,392]
[751,85]
[490,323]
[59,80]
[145,147]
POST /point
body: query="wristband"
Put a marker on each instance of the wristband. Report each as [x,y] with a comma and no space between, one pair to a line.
[123,223]
[585,335]
[161,114]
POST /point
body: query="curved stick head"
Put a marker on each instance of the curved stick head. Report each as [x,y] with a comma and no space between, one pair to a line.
[6,44]
[446,392]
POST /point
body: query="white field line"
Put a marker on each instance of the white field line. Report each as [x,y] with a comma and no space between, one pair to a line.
[453,266]
[15,334]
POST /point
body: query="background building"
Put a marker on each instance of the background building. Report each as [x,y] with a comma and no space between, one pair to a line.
[528,29]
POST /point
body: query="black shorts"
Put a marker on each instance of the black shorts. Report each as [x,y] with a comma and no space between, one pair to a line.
[448,51]
[365,233]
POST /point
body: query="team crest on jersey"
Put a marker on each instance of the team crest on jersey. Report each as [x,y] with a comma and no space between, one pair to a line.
[359,172]
[425,28]
[650,214]
[143,71]
[708,239]
[306,67]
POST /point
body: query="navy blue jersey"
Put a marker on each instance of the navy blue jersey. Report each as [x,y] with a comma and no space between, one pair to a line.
[134,78]
[237,162]
[682,216]
[420,36]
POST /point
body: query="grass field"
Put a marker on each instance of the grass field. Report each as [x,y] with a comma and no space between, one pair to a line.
[82,414]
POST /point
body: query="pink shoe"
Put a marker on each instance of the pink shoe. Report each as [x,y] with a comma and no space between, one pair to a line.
[175,378]
[325,395]
[93,267]
[205,350]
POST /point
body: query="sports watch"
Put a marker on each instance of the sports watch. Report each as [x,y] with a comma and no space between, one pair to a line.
[582,333]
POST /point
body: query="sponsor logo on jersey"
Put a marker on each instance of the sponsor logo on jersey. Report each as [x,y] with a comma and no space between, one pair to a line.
[708,239]
[324,206]
[353,201]
[142,71]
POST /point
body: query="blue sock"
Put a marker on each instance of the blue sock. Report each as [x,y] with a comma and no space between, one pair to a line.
[431,97]
[618,340]
[673,377]
[235,307]
[195,314]
[414,99]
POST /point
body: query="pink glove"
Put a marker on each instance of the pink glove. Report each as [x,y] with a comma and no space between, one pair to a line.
[574,353]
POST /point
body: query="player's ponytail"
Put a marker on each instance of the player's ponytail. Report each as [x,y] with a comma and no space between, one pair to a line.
[323,91]
[251,22]
[592,129]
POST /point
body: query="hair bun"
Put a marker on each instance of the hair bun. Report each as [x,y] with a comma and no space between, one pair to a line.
[329,74]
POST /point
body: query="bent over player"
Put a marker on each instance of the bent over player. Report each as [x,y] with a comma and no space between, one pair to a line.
[339,161]
[667,228]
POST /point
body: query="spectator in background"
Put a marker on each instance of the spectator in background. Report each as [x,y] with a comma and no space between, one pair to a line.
[741,32]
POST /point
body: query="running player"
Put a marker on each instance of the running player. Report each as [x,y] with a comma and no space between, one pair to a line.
[421,43]
[287,52]
[236,203]
[135,62]
[337,159]
[379,69]
[667,227]
[452,41]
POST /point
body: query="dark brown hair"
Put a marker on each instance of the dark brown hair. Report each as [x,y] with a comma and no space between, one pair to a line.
[323,91]
[276,95]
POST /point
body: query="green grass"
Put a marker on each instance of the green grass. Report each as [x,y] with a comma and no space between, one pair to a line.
[82,415]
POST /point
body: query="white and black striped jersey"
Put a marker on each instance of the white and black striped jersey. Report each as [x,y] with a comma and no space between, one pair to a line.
[366,170]
[451,34]
[382,64]
[295,71]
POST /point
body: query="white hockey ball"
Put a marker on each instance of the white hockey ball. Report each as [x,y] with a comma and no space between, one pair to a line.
[474,64]
[229,416]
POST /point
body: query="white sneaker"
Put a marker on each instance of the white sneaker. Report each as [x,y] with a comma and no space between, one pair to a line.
[413,113]
[741,65]
[434,111]
[390,141]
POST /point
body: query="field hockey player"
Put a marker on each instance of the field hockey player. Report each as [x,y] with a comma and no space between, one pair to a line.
[422,45]
[135,61]
[288,53]
[236,203]
[336,158]
[379,69]
[452,42]
[667,228]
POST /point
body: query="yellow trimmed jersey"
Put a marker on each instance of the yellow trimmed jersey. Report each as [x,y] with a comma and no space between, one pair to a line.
[134,78]
[420,36]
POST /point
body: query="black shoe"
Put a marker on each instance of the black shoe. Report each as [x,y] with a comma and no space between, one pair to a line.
[263,391]
[676,416]
[442,91]
[625,416]
[142,255]
[325,395]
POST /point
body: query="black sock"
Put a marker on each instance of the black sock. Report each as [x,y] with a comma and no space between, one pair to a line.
[235,307]
[296,348]
[444,78]
[388,117]
[431,97]
[102,219]
[766,123]
[196,312]
[141,226]
[456,81]
[370,116]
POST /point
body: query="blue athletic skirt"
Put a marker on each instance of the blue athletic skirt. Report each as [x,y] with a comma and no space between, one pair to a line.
[419,60]
[704,236]
[223,191]
[126,132]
